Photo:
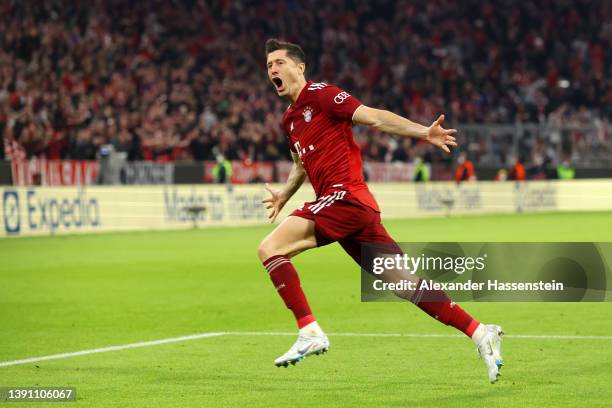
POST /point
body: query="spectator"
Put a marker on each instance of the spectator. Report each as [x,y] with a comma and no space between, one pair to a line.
[565,171]
[180,80]
[465,169]
[517,171]
[502,175]
[421,170]
[222,172]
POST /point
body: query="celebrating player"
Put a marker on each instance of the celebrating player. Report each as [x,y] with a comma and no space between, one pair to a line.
[318,124]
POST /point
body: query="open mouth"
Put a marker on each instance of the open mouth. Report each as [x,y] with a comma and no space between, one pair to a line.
[278,83]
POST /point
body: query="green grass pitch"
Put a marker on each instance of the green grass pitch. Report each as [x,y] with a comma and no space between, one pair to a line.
[71,293]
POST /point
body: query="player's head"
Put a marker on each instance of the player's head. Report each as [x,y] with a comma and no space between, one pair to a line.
[286,66]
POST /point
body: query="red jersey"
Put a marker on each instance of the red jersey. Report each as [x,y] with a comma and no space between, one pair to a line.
[319,128]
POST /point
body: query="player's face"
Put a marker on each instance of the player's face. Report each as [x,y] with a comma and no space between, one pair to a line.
[283,72]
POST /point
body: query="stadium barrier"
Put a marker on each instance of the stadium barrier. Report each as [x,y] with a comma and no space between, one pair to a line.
[85,172]
[42,172]
[67,210]
[54,172]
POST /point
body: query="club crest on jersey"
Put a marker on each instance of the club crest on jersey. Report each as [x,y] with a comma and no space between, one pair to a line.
[307,114]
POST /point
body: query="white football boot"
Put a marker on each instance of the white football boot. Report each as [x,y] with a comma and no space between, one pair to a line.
[489,349]
[311,340]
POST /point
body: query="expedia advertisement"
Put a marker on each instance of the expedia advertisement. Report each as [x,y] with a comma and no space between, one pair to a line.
[48,211]
[73,210]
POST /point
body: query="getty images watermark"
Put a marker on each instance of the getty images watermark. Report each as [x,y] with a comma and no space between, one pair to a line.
[492,272]
[37,394]
[458,265]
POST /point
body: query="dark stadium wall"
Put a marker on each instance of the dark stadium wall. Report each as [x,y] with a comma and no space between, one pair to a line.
[489,173]
[188,173]
[5,173]
[582,173]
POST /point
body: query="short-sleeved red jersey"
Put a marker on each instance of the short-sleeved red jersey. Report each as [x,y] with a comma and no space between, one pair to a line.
[319,128]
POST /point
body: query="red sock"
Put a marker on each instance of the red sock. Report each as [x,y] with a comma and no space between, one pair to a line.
[439,306]
[287,283]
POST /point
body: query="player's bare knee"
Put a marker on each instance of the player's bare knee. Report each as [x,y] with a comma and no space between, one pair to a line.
[262,251]
[404,294]
[266,249]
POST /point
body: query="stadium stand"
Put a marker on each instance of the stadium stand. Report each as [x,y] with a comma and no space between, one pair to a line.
[167,82]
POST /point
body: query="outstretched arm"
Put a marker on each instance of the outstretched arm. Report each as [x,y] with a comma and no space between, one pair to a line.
[279,198]
[389,122]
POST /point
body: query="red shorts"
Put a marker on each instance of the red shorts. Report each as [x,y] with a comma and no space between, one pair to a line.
[339,216]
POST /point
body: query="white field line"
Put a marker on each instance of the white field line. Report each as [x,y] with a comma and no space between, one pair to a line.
[111,348]
[217,334]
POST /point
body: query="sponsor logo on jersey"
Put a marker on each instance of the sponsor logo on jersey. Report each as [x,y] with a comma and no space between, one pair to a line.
[307,114]
[303,151]
[316,86]
[341,97]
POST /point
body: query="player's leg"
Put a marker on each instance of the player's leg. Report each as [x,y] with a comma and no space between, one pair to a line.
[435,303]
[292,236]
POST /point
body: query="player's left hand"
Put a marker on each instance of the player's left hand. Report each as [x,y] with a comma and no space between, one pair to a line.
[275,202]
[440,137]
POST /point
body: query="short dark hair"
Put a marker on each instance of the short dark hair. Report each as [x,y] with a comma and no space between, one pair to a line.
[294,51]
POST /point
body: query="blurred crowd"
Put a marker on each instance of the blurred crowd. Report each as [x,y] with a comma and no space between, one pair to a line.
[171,80]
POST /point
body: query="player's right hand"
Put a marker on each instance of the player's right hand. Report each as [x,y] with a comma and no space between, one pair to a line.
[276,202]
